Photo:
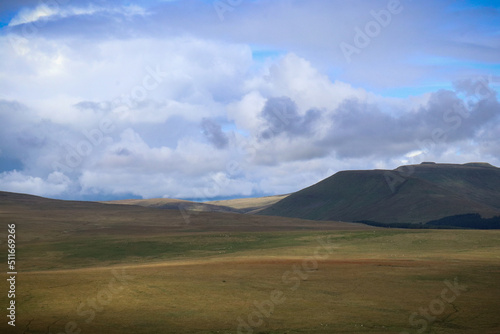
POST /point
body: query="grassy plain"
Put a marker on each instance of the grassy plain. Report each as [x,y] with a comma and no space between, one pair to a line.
[95,268]
[369,282]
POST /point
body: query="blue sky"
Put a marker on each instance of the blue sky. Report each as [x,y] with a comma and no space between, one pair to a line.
[215,99]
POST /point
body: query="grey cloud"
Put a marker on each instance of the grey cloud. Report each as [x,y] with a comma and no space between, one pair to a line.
[456,119]
[36,146]
[214,134]
[123,152]
[363,130]
[91,105]
[14,118]
[476,87]
[360,129]
[24,138]
[281,116]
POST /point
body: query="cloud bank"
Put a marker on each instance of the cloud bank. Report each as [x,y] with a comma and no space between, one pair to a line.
[102,101]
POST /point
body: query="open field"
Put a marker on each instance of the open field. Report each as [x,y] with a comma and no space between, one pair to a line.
[361,281]
[95,268]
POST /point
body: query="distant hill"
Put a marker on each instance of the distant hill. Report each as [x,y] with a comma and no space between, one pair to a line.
[176,204]
[407,195]
[240,205]
[249,205]
[38,219]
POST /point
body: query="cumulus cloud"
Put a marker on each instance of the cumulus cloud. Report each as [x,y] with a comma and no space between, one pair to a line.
[479,87]
[361,129]
[56,183]
[281,116]
[96,101]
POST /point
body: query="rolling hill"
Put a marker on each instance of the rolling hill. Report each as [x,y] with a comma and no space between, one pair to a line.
[105,268]
[249,205]
[40,218]
[239,205]
[176,204]
[406,195]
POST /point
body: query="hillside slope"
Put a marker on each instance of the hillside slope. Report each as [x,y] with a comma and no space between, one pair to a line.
[175,204]
[249,205]
[40,219]
[420,193]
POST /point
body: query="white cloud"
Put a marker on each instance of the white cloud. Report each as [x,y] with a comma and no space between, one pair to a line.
[56,183]
[43,12]
[179,76]
[32,15]
[156,80]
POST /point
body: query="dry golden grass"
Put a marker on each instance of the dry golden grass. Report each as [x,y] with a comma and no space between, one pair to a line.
[249,204]
[371,282]
[153,202]
[203,275]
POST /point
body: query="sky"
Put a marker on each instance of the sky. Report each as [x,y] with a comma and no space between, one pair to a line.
[201,99]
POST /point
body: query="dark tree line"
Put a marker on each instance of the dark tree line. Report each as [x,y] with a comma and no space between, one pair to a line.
[468,221]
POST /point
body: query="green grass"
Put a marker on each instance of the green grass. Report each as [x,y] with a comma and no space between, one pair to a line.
[423,244]
[372,278]
[84,252]
[201,282]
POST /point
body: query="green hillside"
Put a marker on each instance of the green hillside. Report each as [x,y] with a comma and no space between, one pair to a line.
[408,194]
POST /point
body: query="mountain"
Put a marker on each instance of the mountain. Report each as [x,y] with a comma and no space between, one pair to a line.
[406,195]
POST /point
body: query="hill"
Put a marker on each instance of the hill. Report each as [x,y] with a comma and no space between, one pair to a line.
[239,205]
[406,195]
[105,268]
[249,205]
[41,219]
[176,204]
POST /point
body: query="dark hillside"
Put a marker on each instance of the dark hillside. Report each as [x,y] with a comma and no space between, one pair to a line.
[423,193]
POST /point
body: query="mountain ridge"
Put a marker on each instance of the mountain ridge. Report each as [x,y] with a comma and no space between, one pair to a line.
[410,194]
